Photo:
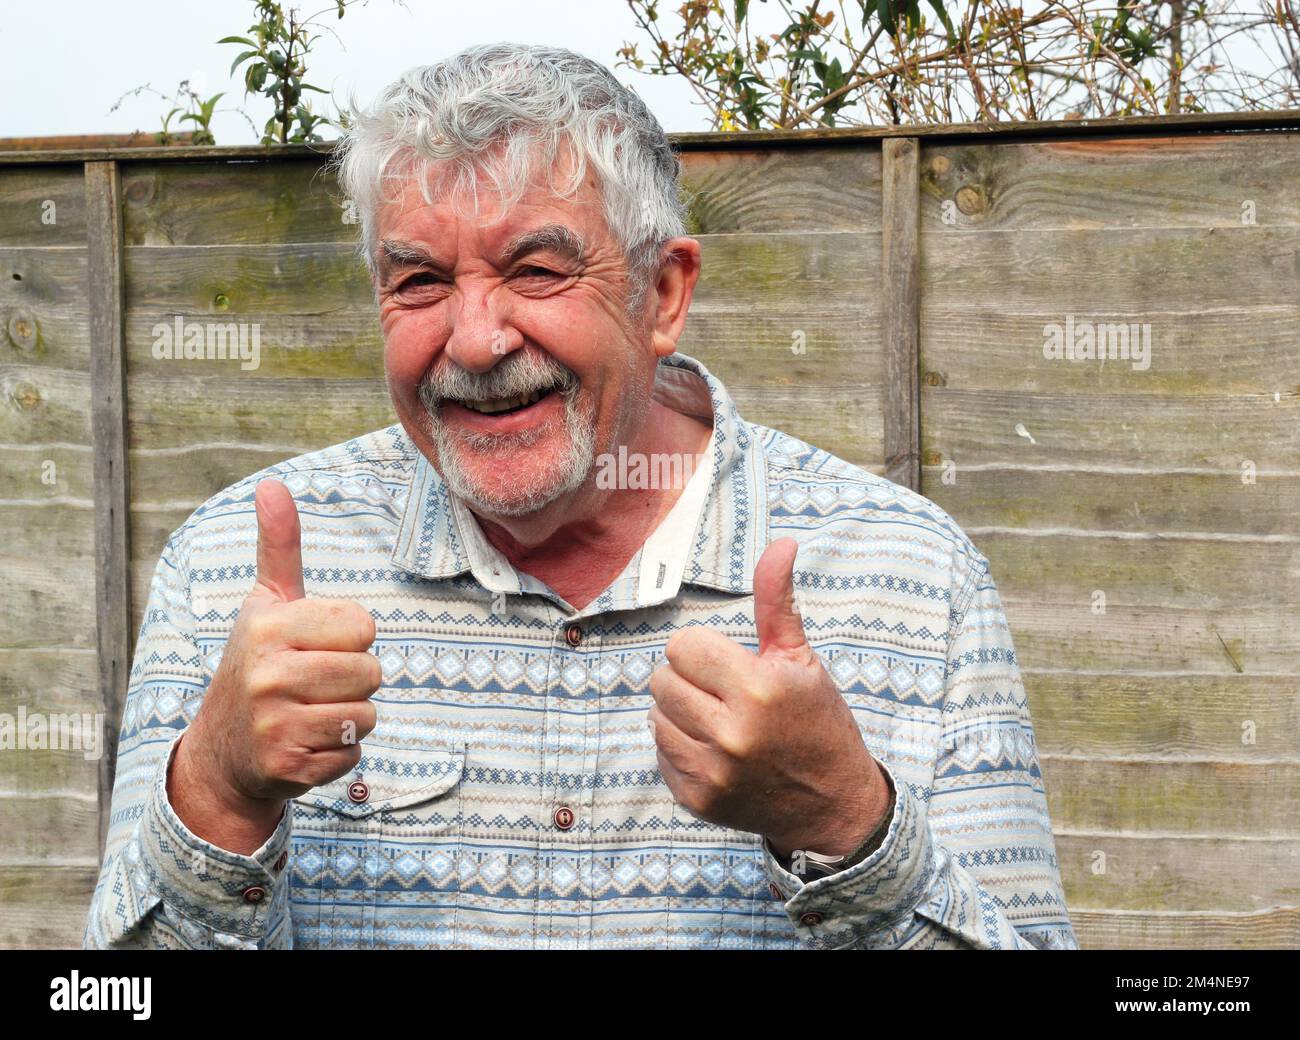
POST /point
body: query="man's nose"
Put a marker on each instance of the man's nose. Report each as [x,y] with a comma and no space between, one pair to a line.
[481,332]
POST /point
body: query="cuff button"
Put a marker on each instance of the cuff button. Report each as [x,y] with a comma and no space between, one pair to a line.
[254,894]
[812,917]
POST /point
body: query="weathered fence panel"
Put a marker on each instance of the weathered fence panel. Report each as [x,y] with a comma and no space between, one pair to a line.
[888,296]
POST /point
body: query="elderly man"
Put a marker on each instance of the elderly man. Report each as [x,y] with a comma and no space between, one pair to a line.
[491,689]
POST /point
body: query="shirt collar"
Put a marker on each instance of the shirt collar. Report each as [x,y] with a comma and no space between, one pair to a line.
[440,538]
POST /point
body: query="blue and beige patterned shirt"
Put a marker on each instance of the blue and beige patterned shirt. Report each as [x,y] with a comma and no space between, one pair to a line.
[509,794]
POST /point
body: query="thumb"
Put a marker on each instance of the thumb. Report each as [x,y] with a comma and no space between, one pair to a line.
[779,625]
[279,541]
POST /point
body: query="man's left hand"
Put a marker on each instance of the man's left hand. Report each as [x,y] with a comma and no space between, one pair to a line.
[765,742]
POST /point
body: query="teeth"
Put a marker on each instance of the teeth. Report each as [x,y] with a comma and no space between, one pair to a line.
[503,404]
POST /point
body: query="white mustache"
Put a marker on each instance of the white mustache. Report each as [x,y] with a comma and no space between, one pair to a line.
[509,378]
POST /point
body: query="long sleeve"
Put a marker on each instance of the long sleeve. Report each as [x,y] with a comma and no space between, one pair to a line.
[161,886]
[970,863]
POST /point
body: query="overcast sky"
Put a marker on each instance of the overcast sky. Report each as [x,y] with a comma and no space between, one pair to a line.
[67,61]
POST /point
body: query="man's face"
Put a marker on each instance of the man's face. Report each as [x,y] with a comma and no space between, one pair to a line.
[509,355]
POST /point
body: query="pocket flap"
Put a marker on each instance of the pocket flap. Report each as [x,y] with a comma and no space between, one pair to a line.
[393,778]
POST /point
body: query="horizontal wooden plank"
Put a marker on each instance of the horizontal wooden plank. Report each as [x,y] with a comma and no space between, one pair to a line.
[40,827]
[42,206]
[298,200]
[43,532]
[45,906]
[40,405]
[1275,928]
[1152,433]
[179,480]
[226,203]
[1244,717]
[51,682]
[1163,181]
[1157,572]
[65,678]
[216,283]
[57,474]
[50,602]
[43,310]
[1145,639]
[1170,796]
[167,412]
[1127,872]
[1112,275]
[1134,501]
[804,276]
[769,191]
[1229,350]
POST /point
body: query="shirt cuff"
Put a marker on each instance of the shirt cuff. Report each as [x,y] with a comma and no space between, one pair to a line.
[227,892]
[873,896]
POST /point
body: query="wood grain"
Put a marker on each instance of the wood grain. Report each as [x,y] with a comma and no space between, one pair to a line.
[112,483]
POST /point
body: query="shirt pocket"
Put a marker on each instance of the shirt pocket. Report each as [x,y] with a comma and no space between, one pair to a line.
[377,851]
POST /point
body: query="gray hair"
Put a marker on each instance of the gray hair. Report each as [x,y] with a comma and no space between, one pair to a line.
[491,109]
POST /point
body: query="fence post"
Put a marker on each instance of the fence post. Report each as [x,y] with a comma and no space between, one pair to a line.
[108,426]
[901,334]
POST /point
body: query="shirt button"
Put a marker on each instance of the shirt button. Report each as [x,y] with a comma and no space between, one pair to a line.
[563,817]
[359,791]
[776,892]
[573,635]
[279,863]
[254,894]
[812,917]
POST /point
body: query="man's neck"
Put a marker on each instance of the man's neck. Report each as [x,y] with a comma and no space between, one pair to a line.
[579,544]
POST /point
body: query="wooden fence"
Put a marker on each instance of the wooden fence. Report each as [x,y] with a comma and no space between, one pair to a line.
[893,296]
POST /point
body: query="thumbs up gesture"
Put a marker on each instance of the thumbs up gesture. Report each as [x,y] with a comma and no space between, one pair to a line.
[764,742]
[289,703]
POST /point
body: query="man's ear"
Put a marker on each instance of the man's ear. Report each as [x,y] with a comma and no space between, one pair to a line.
[670,297]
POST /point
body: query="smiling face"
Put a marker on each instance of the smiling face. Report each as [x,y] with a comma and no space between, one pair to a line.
[510,357]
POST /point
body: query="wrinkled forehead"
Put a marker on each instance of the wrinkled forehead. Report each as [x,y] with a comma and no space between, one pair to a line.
[488,188]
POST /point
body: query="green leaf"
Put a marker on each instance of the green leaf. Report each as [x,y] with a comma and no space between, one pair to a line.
[237,39]
[937,5]
[241,59]
[885,11]
[742,8]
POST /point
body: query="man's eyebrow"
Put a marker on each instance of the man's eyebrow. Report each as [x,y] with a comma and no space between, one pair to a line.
[393,253]
[556,237]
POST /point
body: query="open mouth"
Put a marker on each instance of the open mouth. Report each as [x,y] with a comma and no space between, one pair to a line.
[508,405]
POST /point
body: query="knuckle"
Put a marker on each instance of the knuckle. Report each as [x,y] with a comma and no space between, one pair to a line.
[327,766]
[284,764]
[259,627]
[262,680]
[679,643]
[735,743]
[367,718]
[374,673]
[359,619]
[264,729]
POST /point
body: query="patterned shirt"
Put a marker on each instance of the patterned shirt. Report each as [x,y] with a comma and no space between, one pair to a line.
[509,795]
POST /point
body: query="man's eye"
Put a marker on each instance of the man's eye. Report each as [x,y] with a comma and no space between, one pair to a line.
[536,272]
[421,279]
[418,288]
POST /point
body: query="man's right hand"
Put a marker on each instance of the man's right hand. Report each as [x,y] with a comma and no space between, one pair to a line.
[290,700]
